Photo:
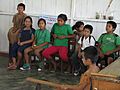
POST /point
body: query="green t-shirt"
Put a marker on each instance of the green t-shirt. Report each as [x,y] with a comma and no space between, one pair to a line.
[64,30]
[42,36]
[108,42]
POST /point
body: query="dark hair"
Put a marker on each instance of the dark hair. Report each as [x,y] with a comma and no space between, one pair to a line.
[88,27]
[77,25]
[28,17]
[21,4]
[114,24]
[41,19]
[63,16]
[91,53]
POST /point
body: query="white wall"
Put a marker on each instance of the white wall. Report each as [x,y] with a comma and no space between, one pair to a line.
[49,7]
[83,10]
[7,9]
[88,8]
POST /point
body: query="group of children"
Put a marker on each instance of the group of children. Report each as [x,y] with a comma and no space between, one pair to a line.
[23,39]
[90,53]
[108,44]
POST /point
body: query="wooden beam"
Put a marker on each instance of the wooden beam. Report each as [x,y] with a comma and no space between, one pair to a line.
[103,75]
[55,85]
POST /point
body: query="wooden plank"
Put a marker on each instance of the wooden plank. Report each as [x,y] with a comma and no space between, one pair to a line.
[108,78]
[103,75]
[104,85]
[43,82]
[112,69]
[55,85]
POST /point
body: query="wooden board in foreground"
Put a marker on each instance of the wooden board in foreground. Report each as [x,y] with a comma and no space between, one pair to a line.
[55,85]
[108,78]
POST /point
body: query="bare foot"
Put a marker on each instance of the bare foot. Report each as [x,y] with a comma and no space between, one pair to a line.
[13,67]
[10,65]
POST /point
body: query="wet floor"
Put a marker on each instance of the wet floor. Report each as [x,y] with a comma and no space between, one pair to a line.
[15,79]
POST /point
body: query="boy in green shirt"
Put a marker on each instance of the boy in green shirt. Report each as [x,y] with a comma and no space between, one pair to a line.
[109,43]
[60,32]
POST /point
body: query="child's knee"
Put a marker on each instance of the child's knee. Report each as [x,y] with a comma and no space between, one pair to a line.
[64,57]
[26,51]
[37,52]
[19,53]
[110,60]
[44,53]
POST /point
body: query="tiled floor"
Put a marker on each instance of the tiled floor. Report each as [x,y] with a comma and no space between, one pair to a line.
[15,80]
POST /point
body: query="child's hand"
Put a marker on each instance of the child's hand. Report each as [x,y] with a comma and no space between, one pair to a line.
[34,47]
[54,36]
[17,32]
[18,43]
[21,44]
[76,32]
[79,54]
[108,53]
[14,30]
[61,37]
[101,55]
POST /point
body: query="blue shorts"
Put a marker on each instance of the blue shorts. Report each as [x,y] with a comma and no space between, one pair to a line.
[16,48]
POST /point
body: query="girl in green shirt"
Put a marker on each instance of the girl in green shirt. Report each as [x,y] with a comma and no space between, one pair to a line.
[42,38]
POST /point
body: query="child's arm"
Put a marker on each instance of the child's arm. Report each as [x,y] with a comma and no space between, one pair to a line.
[70,36]
[79,47]
[28,41]
[79,50]
[100,40]
[113,51]
[70,33]
[14,23]
[41,45]
[47,40]
[100,52]
[18,41]
[63,37]
[33,43]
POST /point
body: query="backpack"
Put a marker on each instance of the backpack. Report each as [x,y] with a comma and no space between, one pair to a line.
[96,43]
